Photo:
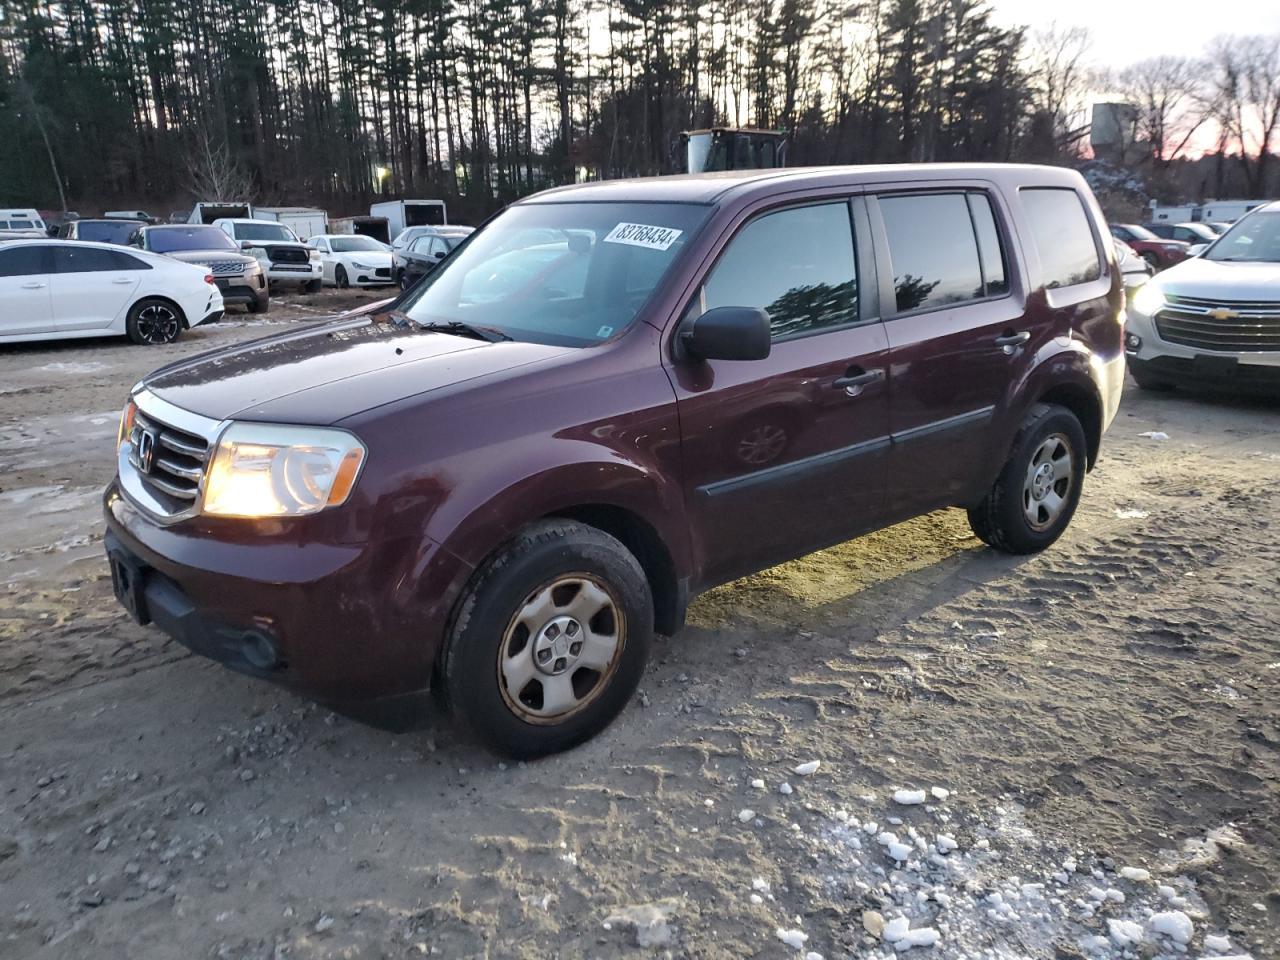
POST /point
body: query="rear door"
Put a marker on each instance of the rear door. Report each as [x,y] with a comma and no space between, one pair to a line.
[26,306]
[92,286]
[785,455]
[957,338]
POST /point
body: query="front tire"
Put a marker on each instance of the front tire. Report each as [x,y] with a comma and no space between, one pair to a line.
[1152,261]
[153,321]
[312,286]
[260,306]
[340,277]
[1035,496]
[550,640]
[1146,380]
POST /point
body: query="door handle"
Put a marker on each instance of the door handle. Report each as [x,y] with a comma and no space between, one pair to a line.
[122,280]
[33,286]
[1011,341]
[852,383]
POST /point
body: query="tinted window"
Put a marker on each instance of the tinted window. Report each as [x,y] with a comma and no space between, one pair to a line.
[994,262]
[93,260]
[264,231]
[796,264]
[933,250]
[1061,233]
[104,231]
[23,261]
[171,239]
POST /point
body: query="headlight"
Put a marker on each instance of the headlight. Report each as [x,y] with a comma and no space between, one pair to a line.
[1149,299]
[126,422]
[314,254]
[263,470]
[361,266]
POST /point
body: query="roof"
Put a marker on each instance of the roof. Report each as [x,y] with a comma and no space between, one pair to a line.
[711,188]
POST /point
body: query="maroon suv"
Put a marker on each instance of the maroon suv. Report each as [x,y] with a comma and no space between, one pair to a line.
[611,398]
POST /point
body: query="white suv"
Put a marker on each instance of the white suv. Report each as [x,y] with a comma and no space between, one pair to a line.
[284,257]
[1214,319]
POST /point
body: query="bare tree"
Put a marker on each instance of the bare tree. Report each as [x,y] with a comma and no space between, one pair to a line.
[1058,63]
[1245,98]
[213,172]
[1168,94]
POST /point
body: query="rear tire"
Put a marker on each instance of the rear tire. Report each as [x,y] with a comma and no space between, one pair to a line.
[1035,496]
[153,321]
[550,640]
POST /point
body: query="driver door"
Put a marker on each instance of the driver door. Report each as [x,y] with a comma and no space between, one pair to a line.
[788,454]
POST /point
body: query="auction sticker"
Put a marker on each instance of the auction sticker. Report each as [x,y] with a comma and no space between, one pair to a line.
[643,235]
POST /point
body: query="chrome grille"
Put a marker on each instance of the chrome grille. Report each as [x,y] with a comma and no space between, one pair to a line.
[1230,326]
[223,268]
[168,463]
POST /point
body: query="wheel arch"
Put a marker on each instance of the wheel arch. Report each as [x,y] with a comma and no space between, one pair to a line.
[1084,402]
[182,314]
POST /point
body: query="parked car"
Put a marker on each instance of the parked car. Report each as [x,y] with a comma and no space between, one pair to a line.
[1214,320]
[25,222]
[507,495]
[59,289]
[1197,236]
[99,231]
[425,252]
[284,257]
[409,234]
[240,277]
[349,261]
[1157,252]
[1219,227]
[1135,270]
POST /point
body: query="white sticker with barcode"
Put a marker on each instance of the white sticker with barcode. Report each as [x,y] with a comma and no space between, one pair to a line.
[643,235]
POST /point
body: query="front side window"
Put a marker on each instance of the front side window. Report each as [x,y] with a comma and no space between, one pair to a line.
[557,272]
[934,250]
[1062,235]
[23,261]
[798,265]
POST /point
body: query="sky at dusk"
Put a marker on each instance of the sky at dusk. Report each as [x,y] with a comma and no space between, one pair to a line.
[1129,30]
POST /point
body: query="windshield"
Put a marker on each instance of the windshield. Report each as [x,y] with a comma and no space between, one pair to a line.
[106,231]
[172,239]
[264,231]
[353,244]
[1201,231]
[565,273]
[1255,239]
[1136,232]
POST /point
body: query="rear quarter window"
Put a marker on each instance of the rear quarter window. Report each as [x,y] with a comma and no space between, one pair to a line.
[1062,236]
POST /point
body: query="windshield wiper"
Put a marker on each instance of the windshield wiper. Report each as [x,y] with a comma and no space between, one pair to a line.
[459,329]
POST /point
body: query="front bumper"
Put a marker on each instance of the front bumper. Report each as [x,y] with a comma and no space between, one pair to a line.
[1146,348]
[294,272]
[341,623]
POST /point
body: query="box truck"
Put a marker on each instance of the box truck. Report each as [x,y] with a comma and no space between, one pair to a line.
[375,227]
[208,211]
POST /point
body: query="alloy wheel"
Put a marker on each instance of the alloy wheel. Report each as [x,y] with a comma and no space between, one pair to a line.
[158,323]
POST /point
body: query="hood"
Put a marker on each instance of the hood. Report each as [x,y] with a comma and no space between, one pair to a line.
[1218,280]
[382,257]
[333,371]
[210,256]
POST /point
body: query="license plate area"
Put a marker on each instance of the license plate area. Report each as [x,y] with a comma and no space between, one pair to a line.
[129,582]
[1215,367]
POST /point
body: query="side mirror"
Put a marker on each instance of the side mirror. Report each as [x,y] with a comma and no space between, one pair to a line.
[727,333]
[246,244]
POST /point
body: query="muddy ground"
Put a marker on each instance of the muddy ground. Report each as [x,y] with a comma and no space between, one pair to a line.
[1103,722]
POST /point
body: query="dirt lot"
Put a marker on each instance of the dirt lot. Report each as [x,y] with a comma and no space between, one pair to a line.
[1102,722]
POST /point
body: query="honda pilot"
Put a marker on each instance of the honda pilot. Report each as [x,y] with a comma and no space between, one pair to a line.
[611,398]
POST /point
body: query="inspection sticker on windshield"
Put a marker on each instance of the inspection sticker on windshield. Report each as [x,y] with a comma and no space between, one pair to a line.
[643,235]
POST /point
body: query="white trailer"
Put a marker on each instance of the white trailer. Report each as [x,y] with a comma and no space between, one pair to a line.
[306,222]
[410,213]
[375,227]
[1184,213]
[1227,211]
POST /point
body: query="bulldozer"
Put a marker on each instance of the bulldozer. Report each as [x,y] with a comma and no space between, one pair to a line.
[733,148]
